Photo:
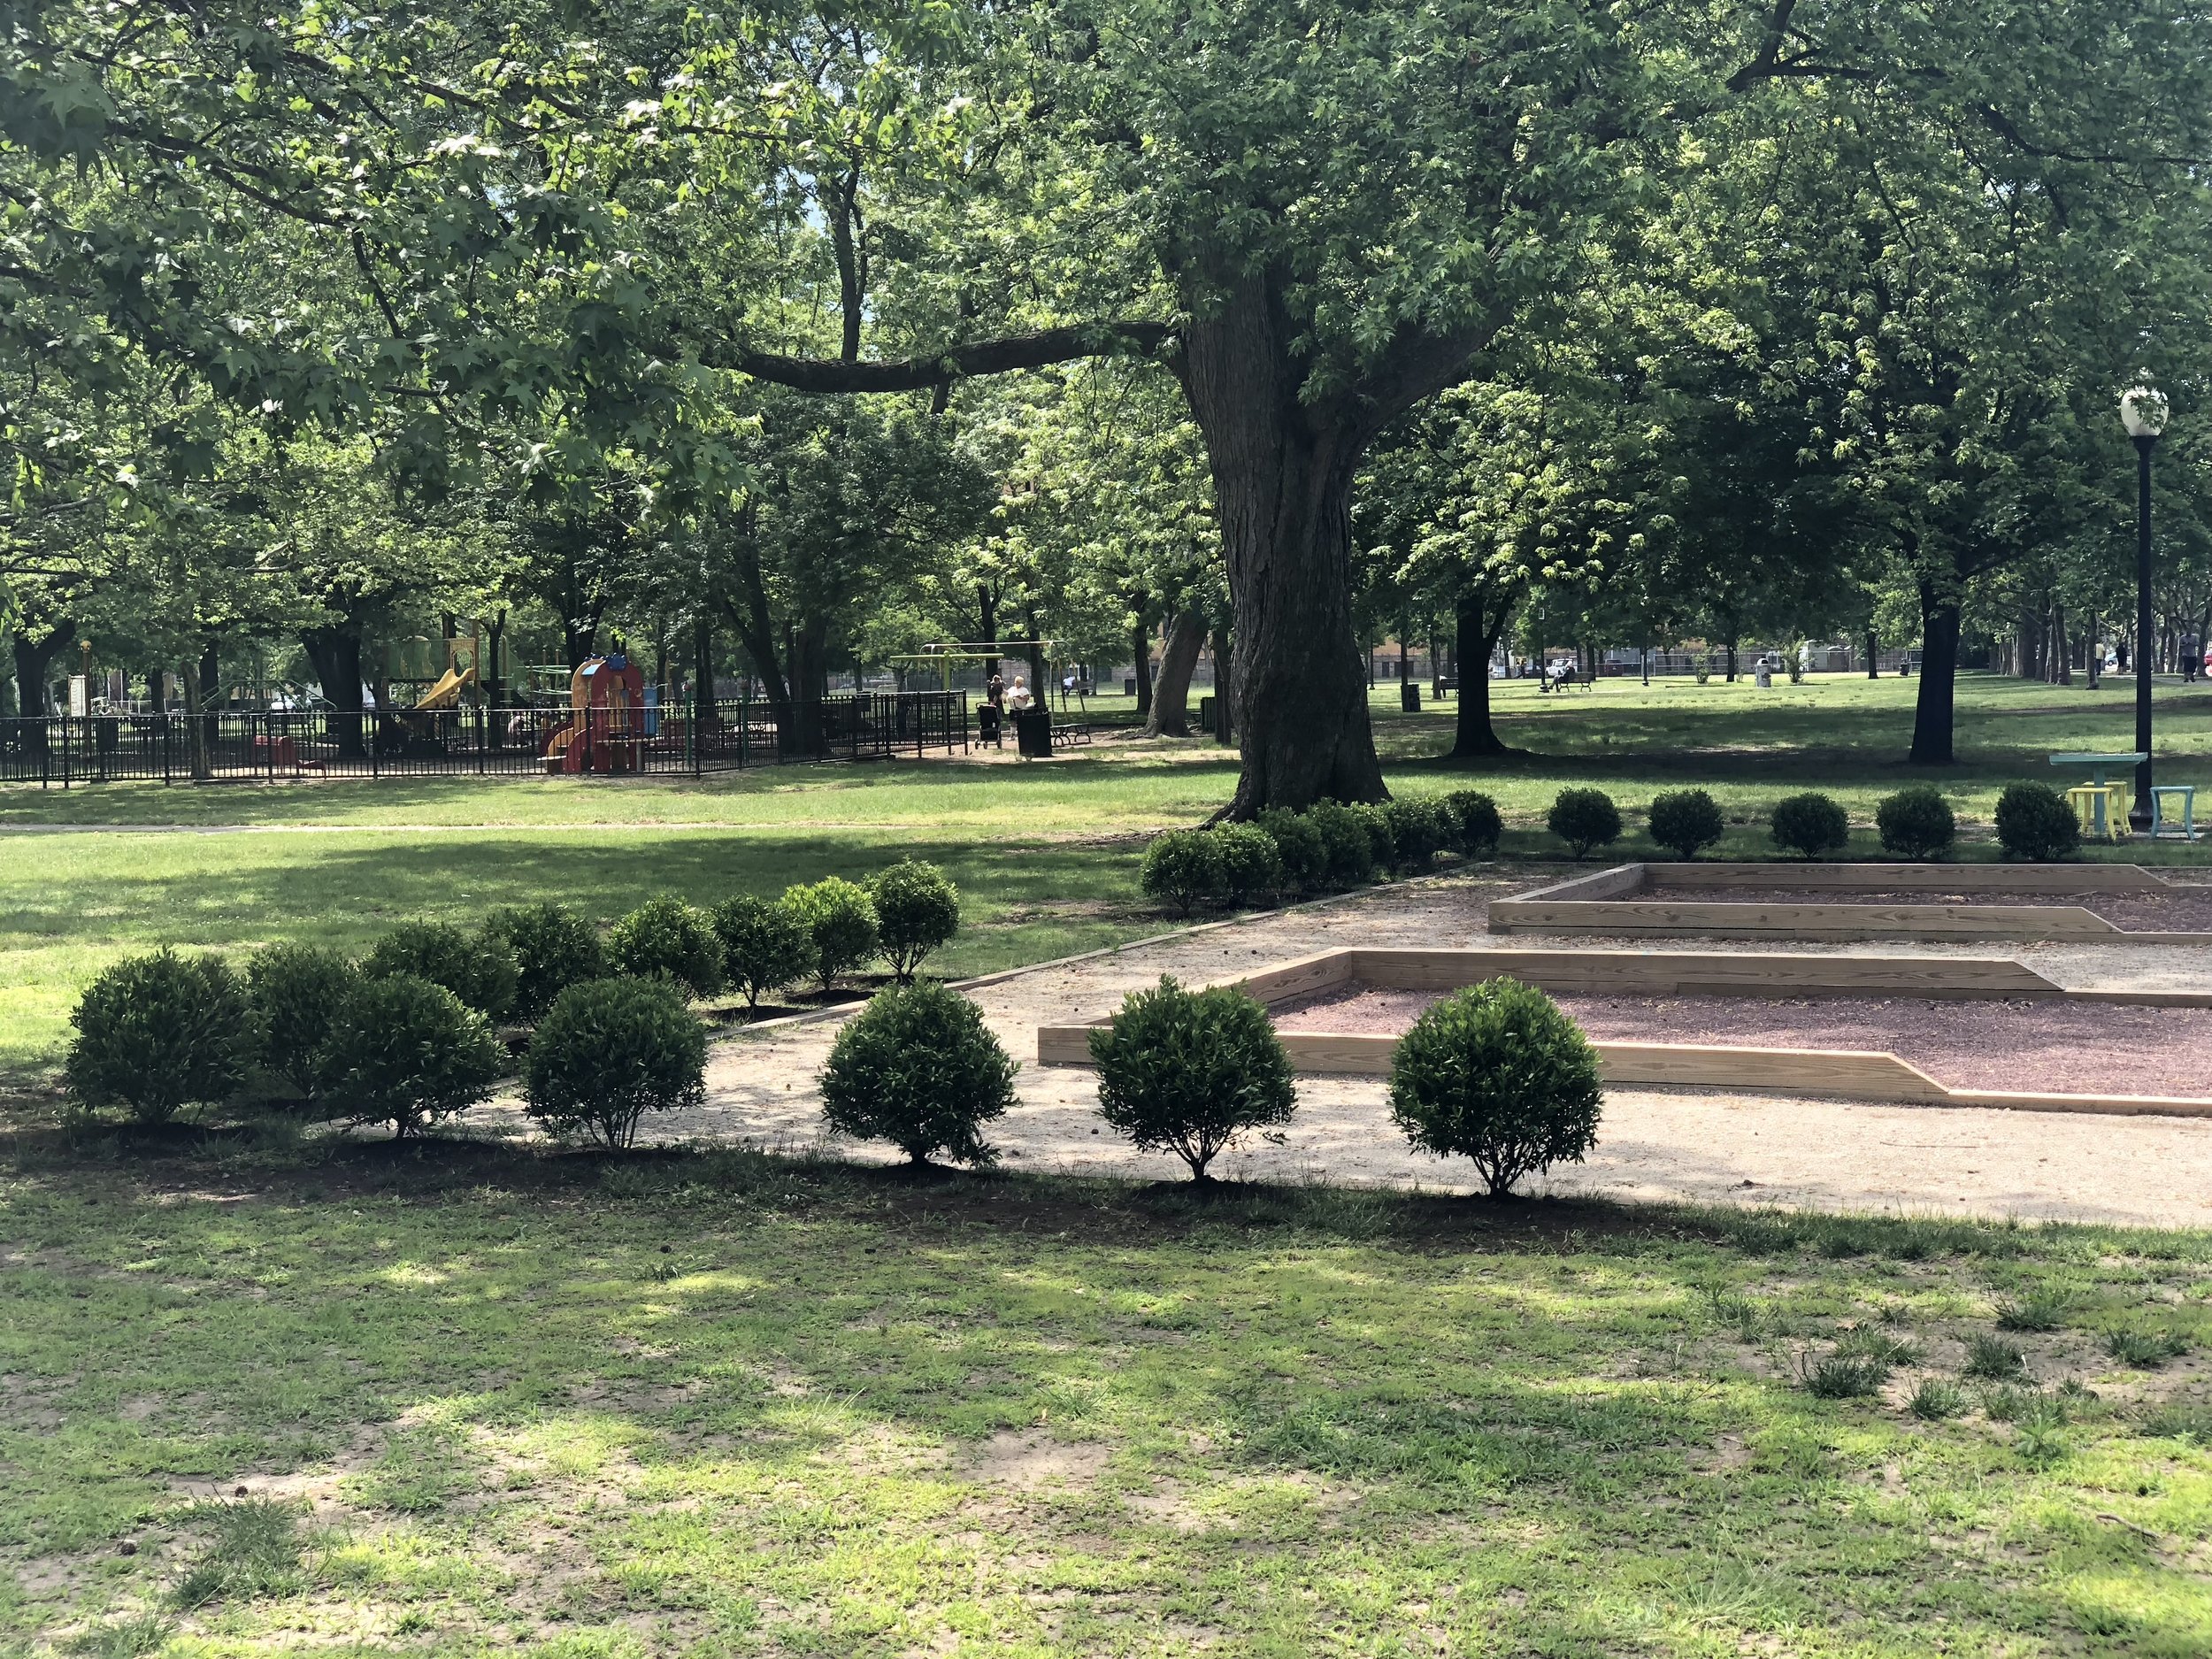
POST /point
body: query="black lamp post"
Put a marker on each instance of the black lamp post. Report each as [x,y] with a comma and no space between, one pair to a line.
[2143,413]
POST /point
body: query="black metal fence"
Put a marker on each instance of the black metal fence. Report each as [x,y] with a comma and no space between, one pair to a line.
[64,749]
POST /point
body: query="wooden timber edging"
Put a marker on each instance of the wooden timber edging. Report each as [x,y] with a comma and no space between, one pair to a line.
[1603,904]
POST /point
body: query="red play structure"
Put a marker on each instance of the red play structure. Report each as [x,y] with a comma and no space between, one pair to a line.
[606,723]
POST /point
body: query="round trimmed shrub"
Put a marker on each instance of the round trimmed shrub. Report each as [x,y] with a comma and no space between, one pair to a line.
[1586,819]
[1344,837]
[1304,855]
[1686,821]
[299,994]
[1809,824]
[1476,824]
[1180,868]
[1251,869]
[554,948]
[2036,822]
[1382,841]
[159,1033]
[917,910]
[918,1067]
[407,1053]
[668,938]
[841,927]
[608,1052]
[1189,1072]
[1420,828]
[480,971]
[765,946]
[1916,822]
[1499,1075]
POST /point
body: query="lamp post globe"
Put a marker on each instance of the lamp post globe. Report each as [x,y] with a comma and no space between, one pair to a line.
[2143,411]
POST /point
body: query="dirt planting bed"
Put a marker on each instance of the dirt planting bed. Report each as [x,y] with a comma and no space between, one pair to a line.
[2050,1048]
[2185,911]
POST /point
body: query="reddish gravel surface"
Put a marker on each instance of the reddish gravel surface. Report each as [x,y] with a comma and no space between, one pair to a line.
[2187,909]
[2050,1048]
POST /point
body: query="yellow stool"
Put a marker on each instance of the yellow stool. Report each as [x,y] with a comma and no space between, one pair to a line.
[2102,809]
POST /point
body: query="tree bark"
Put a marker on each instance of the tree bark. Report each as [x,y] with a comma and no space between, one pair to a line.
[1140,641]
[1224,677]
[196,745]
[1479,628]
[1170,697]
[32,658]
[335,653]
[1933,711]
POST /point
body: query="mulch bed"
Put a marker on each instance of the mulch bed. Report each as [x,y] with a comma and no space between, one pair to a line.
[2186,910]
[2044,1047]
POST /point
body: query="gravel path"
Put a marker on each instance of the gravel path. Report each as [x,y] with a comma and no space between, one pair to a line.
[1656,1144]
[2037,1047]
[2188,910]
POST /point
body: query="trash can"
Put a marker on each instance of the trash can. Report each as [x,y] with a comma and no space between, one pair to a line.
[1033,733]
[1409,697]
[987,723]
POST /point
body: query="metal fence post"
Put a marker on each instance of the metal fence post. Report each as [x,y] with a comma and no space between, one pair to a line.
[479,714]
[369,731]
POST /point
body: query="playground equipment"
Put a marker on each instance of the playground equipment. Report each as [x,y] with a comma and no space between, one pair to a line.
[447,691]
[606,730]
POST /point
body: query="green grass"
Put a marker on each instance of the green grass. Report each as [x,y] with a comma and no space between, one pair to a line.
[734,1405]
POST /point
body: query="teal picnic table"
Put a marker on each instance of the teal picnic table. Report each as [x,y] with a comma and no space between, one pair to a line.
[2100,796]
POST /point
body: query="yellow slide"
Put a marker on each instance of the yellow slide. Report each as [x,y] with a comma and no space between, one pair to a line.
[447,691]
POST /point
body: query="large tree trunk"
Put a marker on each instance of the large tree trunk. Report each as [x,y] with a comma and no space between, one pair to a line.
[197,757]
[335,653]
[1933,714]
[1479,628]
[1170,697]
[1225,728]
[32,658]
[1282,474]
[1140,641]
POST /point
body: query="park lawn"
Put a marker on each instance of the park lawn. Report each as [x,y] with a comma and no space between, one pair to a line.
[733,1405]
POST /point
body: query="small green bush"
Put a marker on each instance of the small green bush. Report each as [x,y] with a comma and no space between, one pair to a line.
[479,970]
[2036,822]
[1686,822]
[841,924]
[1498,1074]
[1916,822]
[1809,824]
[408,1052]
[1251,868]
[299,993]
[918,1067]
[609,1051]
[671,939]
[554,948]
[1189,1072]
[1180,868]
[1420,828]
[917,910]
[1476,823]
[1344,837]
[765,946]
[1298,844]
[1586,819]
[1382,840]
[159,1033]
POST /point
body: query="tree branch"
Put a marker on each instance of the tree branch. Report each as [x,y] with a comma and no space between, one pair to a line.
[990,357]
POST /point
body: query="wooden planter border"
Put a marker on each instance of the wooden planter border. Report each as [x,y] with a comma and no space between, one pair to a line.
[1810,1073]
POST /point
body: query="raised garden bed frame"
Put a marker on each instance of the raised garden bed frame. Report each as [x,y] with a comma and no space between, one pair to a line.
[1604,904]
[1812,1072]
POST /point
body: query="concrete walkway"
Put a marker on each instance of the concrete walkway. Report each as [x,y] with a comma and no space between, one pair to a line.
[1655,1144]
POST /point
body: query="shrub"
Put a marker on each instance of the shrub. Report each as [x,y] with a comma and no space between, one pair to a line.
[299,993]
[1916,822]
[553,946]
[159,1033]
[1251,869]
[841,927]
[917,910]
[480,971]
[1586,819]
[1476,825]
[1298,844]
[1180,868]
[1498,1074]
[1686,821]
[1344,837]
[1419,830]
[1809,824]
[408,1052]
[1188,1071]
[608,1052]
[671,939]
[918,1067]
[2035,822]
[1382,841]
[765,945]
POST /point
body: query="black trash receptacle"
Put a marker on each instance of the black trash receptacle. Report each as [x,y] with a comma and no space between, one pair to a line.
[1033,733]
[1409,697]
[987,723]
